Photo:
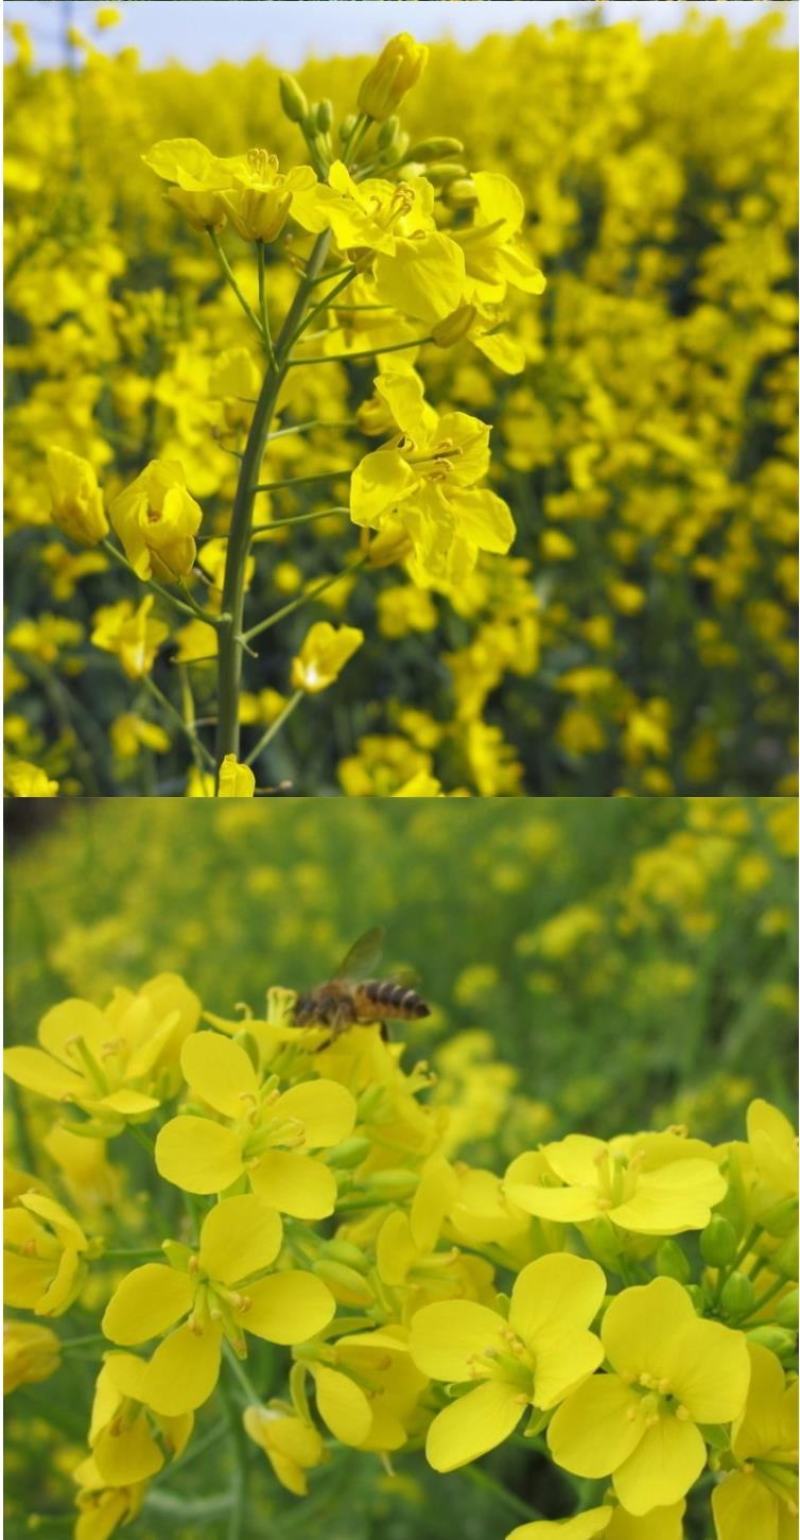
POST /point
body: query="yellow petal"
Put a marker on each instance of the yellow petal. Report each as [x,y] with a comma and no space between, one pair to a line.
[563,1360]
[326,1109]
[37,1071]
[128,1103]
[342,1406]
[672,1198]
[660,1524]
[582,1527]
[295,1184]
[395,1251]
[128,1453]
[146,1303]
[445,1337]
[710,1371]
[662,1468]
[220,1072]
[288,1307]
[126,1373]
[575,1159]
[239,1236]
[555,1292]
[474,1424]
[183,1371]
[591,1432]
[641,1325]
[742,1507]
[68,1020]
[198,1155]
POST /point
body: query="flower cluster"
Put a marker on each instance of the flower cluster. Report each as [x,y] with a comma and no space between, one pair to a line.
[627,1308]
[605,606]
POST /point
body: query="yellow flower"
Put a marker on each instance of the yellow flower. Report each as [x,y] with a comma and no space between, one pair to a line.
[156,520]
[367,1388]
[30,1354]
[611,1521]
[266,1134]
[130,733]
[211,1292]
[773,1143]
[249,187]
[535,1358]
[670,1370]
[131,634]
[22,779]
[76,498]
[197,642]
[44,1248]
[101,1508]
[323,655]
[373,215]
[107,16]
[126,1447]
[259,207]
[423,482]
[292,1445]
[654,1184]
[760,1496]
[235,780]
[116,1063]
[397,68]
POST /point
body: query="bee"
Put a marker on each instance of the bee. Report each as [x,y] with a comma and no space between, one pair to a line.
[351,997]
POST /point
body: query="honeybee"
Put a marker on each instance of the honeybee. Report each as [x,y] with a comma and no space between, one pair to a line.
[351,997]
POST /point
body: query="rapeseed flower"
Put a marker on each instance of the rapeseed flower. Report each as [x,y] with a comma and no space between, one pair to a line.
[130,634]
[323,655]
[758,1496]
[76,497]
[156,519]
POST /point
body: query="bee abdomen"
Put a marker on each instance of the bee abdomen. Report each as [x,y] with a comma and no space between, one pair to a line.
[394,999]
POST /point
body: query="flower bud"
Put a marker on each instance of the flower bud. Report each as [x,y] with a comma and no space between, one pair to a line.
[784,1259]
[349,1153]
[786,1312]
[346,127]
[293,99]
[441,172]
[436,149]
[392,76]
[346,1252]
[672,1261]
[603,1241]
[387,133]
[462,194]
[454,326]
[346,1285]
[393,1184]
[781,1218]
[718,1242]
[776,1338]
[738,1295]
[324,116]
[76,497]
[697,1295]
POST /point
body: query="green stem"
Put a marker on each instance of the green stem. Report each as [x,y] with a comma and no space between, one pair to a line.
[239,1481]
[275,727]
[227,270]
[261,530]
[748,1244]
[230,647]
[350,358]
[175,716]
[262,305]
[481,1478]
[295,604]
[302,427]
[234,1364]
[325,302]
[92,1340]
[123,1254]
[302,481]
[139,1134]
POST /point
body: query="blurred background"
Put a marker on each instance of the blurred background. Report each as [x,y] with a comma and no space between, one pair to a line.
[592,964]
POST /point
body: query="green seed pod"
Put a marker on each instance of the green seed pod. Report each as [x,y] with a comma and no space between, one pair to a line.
[786,1311]
[324,115]
[672,1261]
[440,148]
[776,1338]
[345,1283]
[293,99]
[718,1242]
[393,1184]
[347,1253]
[349,1153]
[738,1295]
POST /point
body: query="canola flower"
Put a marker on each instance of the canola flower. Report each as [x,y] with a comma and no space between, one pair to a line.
[416,1308]
[638,634]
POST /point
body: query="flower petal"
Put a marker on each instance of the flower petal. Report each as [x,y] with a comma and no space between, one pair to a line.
[563,1360]
[198,1155]
[326,1109]
[68,1020]
[710,1371]
[583,1526]
[672,1198]
[38,1071]
[288,1307]
[183,1371]
[641,1325]
[592,1432]
[296,1184]
[127,1454]
[239,1236]
[342,1406]
[575,1159]
[146,1303]
[220,1072]
[553,1293]
[474,1424]
[445,1337]
[663,1466]
[742,1506]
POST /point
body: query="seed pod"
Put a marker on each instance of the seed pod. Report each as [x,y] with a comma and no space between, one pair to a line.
[293,99]
[393,1184]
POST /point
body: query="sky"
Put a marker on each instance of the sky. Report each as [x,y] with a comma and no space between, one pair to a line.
[198,32]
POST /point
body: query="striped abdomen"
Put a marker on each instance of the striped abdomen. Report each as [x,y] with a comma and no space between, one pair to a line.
[383,1000]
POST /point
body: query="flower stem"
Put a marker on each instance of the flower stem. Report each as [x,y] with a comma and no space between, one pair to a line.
[175,716]
[260,531]
[186,609]
[295,604]
[262,305]
[481,1478]
[275,727]
[302,481]
[350,358]
[230,646]
[227,270]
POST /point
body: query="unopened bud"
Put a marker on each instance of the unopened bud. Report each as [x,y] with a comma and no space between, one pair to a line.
[454,327]
[781,1218]
[462,194]
[346,1285]
[784,1259]
[346,127]
[388,132]
[786,1311]
[346,1252]
[738,1295]
[349,1153]
[393,1184]
[603,1241]
[370,1102]
[776,1338]
[395,71]
[293,99]
[718,1242]
[436,149]
[442,172]
[324,115]
[672,1261]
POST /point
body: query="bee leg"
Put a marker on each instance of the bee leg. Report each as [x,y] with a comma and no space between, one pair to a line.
[383,1028]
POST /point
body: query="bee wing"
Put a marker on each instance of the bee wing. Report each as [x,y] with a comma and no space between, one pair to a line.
[363,957]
